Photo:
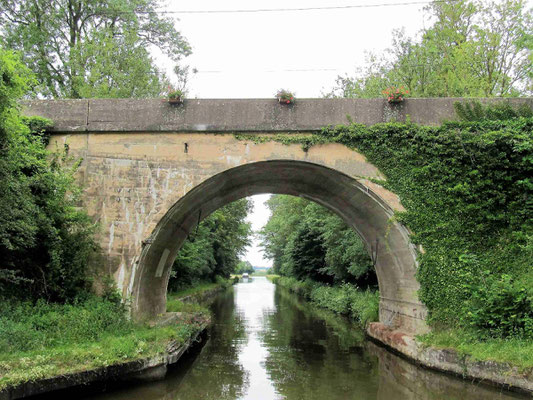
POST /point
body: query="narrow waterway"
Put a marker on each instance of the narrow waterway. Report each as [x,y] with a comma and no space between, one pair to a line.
[267,344]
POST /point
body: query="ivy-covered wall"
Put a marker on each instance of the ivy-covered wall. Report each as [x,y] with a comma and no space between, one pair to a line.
[467,189]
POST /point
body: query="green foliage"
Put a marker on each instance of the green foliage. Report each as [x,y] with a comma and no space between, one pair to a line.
[305,253]
[92,48]
[45,239]
[39,127]
[475,111]
[467,188]
[515,351]
[305,240]
[26,326]
[198,289]
[345,299]
[176,305]
[214,247]
[502,307]
[472,49]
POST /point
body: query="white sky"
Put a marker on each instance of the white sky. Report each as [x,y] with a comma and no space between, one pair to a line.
[258,218]
[251,55]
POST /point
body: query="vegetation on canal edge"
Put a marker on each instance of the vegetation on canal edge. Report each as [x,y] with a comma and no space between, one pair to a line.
[320,258]
[306,240]
[176,303]
[361,305]
[199,288]
[515,351]
[43,340]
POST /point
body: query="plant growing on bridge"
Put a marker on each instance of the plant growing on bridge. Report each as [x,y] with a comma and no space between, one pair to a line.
[285,97]
[175,96]
[395,95]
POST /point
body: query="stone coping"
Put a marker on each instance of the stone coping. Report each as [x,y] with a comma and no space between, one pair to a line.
[237,115]
[450,361]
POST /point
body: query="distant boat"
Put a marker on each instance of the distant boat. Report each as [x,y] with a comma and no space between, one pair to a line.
[245,275]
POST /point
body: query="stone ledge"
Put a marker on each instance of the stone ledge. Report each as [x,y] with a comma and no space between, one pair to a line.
[236,115]
[448,360]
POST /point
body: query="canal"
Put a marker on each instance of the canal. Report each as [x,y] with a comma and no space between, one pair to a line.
[266,343]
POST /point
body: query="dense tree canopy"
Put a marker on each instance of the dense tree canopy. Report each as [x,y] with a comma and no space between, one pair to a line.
[91,48]
[305,240]
[45,240]
[473,49]
[213,249]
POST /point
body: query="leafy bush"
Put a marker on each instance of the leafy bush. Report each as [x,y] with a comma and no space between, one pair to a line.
[346,299]
[213,249]
[306,240]
[501,307]
[365,306]
[336,299]
[475,111]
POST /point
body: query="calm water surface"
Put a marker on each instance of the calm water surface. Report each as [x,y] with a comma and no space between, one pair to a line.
[267,344]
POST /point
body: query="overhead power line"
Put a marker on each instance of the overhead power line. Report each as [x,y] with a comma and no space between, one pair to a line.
[262,10]
[408,66]
[218,71]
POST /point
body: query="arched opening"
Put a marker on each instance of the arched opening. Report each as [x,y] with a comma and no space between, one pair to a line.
[360,207]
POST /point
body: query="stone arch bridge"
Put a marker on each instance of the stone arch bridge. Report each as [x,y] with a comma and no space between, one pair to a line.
[152,171]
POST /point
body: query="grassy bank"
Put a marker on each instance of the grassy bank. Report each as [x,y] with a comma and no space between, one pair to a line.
[515,351]
[360,305]
[199,288]
[175,299]
[44,340]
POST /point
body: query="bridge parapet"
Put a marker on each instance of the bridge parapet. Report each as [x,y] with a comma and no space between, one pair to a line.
[237,115]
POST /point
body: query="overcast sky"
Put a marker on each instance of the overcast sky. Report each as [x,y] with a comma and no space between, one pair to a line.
[252,55]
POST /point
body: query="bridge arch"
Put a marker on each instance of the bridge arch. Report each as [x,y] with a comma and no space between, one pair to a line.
[363,205]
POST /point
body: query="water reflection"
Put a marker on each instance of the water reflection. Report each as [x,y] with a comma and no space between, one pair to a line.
[266,343]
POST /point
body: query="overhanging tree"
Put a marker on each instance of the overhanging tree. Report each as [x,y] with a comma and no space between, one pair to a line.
[45,239]
[92,48]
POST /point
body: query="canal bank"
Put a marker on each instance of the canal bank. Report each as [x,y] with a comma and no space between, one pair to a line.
[452,362]
[168,339]
[143,369]
[447,360]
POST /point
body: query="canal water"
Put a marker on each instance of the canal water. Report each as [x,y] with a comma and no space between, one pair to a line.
[266,343]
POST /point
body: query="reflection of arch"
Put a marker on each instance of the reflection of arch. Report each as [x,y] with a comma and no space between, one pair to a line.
[363,209]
